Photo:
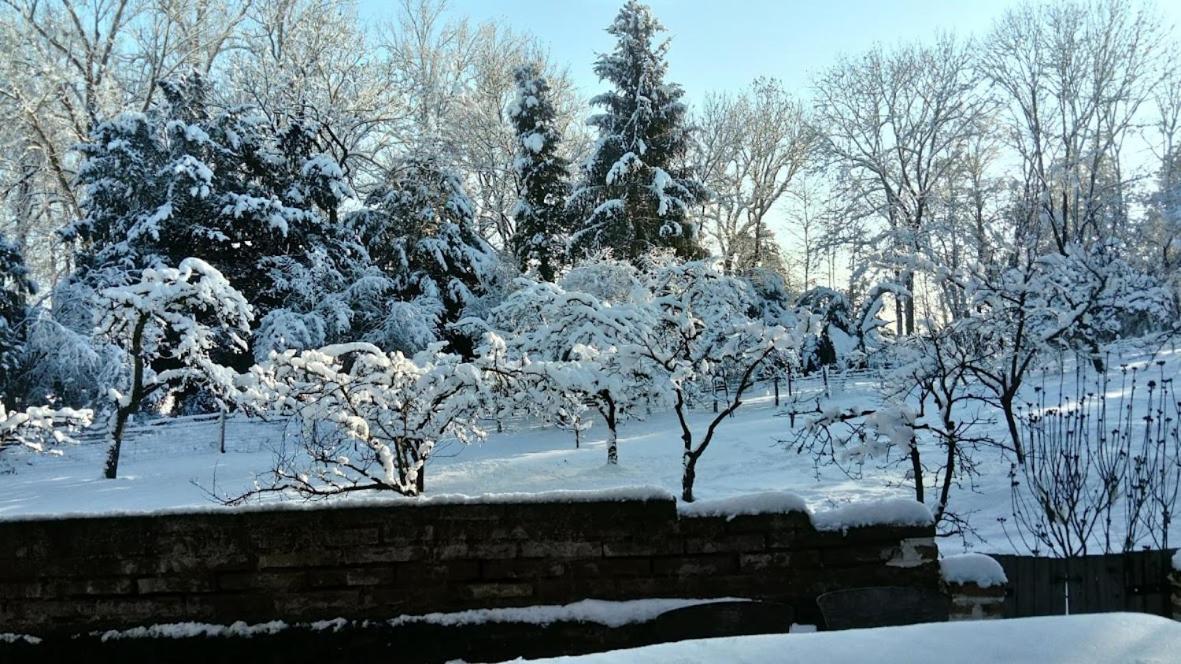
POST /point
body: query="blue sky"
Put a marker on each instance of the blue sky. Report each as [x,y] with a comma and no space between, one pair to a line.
[723,44]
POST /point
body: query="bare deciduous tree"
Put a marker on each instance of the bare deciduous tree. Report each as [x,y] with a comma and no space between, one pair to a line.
[751,147]
[896,120]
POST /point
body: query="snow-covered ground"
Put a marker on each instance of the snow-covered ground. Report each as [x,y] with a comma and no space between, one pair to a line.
[179,466]
[1101,638]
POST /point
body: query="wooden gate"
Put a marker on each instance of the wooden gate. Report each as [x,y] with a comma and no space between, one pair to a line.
[1135,581]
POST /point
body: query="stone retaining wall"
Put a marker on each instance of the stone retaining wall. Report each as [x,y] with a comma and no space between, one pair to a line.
[379,561]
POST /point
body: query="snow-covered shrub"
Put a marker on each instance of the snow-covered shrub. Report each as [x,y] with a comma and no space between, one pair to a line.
[700,327]
[374,417]
[37,427]
[338,296]
[169,326]
[924,392]
[609,280]
[546,323]
[62,362]
[1062,302]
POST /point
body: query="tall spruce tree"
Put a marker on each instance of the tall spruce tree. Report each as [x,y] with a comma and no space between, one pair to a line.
[228,187]
[541,221]
[637,190]
[419,230]
[15,289]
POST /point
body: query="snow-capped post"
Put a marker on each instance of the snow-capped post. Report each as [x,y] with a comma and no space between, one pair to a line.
[1175,584]
[977,585]
[167,325]
[699,324]
[636,191]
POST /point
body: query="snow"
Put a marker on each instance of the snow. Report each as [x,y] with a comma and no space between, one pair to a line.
[614,494]
[533,142]
[9,637]
[1177,561]
[187,630]
[894,511]
[603,612]
[975,568]
[766,502]
[1079,639]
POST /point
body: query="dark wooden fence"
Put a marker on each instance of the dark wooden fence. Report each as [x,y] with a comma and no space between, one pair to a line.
[1135,581]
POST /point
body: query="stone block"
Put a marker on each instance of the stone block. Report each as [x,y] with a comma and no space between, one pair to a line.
[702,565]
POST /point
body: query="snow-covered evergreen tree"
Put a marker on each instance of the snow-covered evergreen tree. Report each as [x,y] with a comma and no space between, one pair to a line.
[15,288]
[637,190]
[419,230]
[541,221]
[181,180]
[831,338]
[168,325]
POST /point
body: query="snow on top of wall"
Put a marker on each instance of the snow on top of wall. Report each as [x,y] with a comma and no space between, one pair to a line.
[603,612]
[888,512]
[893,511]
[767,502]
[646,493]
[9,637]
[976,568]
[1177,561]
[617,494]
[186,630]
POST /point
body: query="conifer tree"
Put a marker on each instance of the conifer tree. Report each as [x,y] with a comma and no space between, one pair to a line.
[637,190]
[538,241]
[15,289]
[419,230]
[228,187]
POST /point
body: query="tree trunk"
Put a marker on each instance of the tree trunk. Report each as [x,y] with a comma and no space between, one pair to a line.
[688,477]
[1011,423]
[612,446]
[909,303]
[111,469]
[916,465]
[612,434]
[136,396]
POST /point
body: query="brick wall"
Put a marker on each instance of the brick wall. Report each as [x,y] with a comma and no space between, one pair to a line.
[72,575]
